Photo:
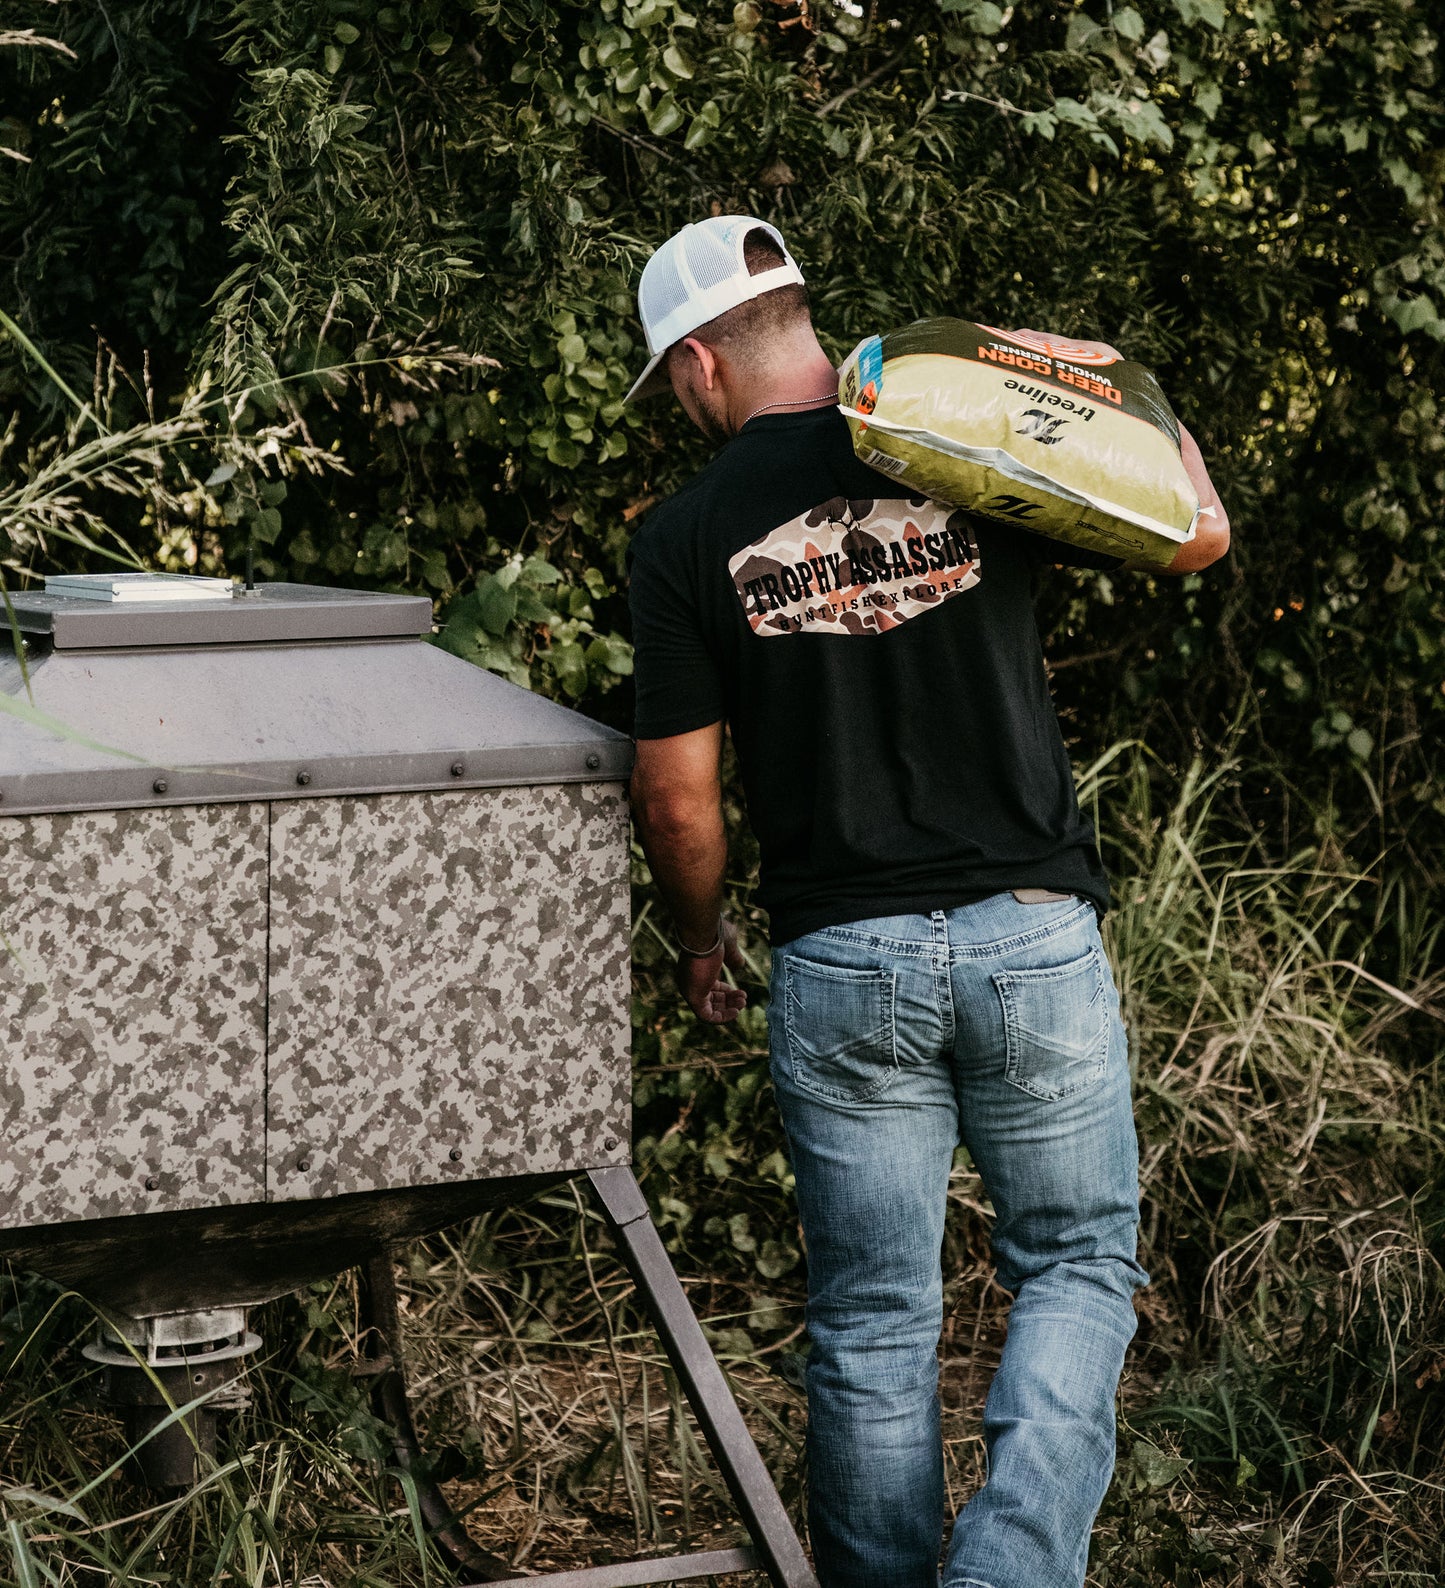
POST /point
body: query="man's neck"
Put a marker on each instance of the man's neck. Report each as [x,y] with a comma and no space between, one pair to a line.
[790,386]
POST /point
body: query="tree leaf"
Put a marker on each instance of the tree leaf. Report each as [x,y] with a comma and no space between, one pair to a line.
[538,571]
[1152,1468]
[496,605]
[570,666]
[665,117]
[1128,24]
[266,525]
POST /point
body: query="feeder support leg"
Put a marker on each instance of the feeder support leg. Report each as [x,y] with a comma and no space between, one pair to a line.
[702,1379]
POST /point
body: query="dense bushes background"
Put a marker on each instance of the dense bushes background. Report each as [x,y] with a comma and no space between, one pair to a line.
[259,195]
[351,284]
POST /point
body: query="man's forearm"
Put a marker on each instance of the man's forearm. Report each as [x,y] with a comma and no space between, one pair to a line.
[687,852]
[677,803]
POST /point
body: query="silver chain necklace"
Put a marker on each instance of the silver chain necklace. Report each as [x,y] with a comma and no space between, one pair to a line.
[800,402]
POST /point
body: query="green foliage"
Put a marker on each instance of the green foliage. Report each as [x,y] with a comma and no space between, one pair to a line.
[525,605]
[297,201]
[302,1489]
[362,276]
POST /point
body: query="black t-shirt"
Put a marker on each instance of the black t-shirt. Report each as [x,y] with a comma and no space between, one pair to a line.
[877,661]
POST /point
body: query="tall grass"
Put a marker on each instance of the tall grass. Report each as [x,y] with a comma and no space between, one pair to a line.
[1291,1112]
[1282,1416]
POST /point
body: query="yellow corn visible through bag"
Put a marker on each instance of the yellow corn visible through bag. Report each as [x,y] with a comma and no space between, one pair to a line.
[1034,430]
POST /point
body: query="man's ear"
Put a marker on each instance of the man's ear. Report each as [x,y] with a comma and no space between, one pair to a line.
[705,361]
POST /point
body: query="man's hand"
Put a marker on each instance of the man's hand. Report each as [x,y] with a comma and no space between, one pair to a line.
[700,979]
[1211,529]
[677,804]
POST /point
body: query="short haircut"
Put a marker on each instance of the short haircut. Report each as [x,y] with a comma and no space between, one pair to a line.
[763,318]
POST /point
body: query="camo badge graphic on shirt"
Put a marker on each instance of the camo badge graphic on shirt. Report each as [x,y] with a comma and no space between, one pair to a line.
[855,567]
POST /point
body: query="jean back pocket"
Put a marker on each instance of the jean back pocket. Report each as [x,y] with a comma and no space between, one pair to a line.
[838,1024]
[1056,1026]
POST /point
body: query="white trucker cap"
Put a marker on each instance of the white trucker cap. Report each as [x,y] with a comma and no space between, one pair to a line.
[696,275]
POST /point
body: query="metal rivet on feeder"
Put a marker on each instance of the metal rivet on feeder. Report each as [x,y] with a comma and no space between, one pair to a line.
[160,786]
[459,768]
[303,779]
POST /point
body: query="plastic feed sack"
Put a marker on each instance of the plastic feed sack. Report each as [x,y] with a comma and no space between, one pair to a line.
[1055,435]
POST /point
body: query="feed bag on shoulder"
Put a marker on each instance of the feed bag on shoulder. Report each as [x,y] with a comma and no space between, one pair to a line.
[1057,436]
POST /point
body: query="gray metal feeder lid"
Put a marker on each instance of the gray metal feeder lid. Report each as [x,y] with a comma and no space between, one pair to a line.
[287,691]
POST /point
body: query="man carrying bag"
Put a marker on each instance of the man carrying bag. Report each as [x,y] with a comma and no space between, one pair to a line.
[934,898]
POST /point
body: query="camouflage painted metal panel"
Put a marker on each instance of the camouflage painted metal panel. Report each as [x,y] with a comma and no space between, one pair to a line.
[132,1012]
[449,995]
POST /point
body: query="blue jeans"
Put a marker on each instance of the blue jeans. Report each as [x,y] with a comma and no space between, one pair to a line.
[995,1024]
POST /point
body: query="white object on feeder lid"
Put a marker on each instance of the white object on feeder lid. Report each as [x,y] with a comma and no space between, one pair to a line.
[139,587]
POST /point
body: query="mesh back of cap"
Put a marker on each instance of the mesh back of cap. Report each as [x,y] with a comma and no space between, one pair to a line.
[698,274]
[661,289]
[711,258]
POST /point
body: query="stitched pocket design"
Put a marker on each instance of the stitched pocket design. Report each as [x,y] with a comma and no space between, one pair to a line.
[1056,1026]
[839,1028]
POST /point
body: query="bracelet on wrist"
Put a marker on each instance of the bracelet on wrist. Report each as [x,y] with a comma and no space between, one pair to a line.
[700,953]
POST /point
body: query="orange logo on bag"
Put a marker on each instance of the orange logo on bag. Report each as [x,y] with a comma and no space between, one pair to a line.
[1054,346]
[868,398]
